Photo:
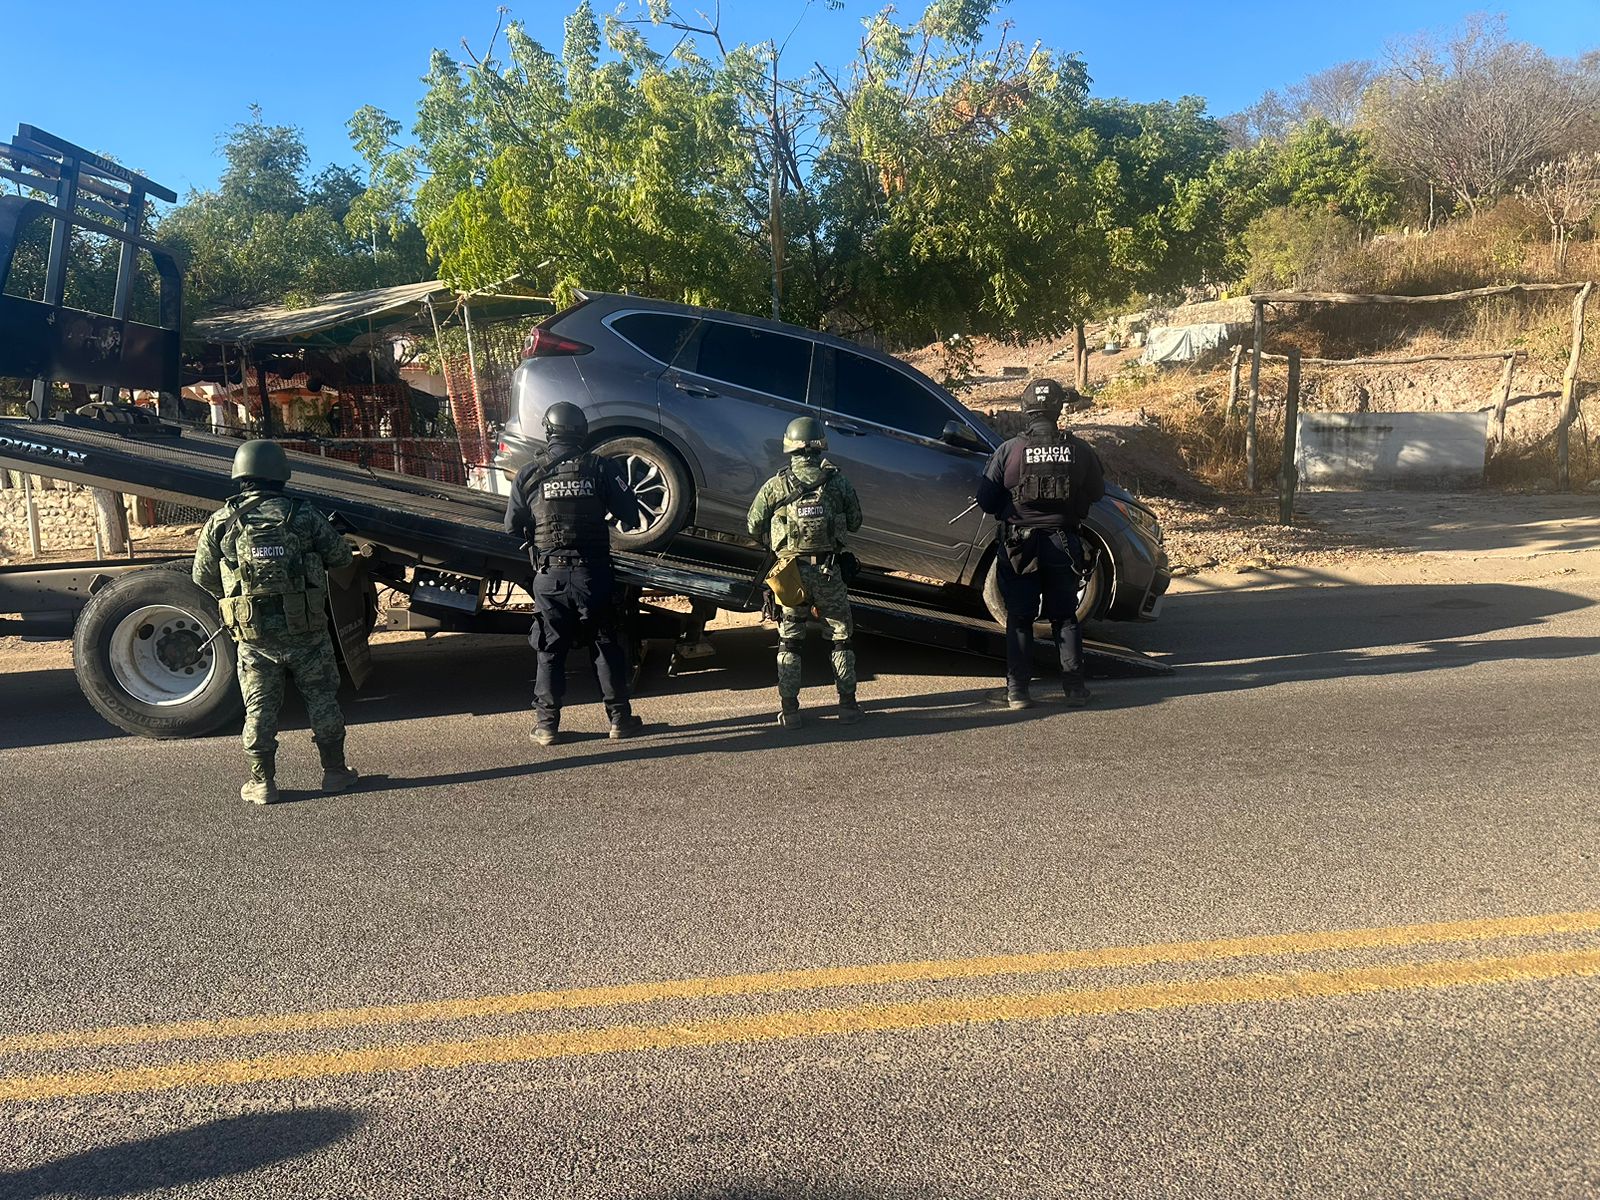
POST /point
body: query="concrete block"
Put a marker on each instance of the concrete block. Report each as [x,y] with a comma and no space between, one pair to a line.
[1392,449]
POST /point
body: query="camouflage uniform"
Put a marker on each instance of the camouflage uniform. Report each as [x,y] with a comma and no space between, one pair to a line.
[274,654]
[824,584]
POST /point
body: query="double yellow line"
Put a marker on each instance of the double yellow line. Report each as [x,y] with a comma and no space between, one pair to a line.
[767,1026]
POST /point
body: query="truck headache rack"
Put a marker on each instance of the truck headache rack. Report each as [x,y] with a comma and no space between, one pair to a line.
[46,341]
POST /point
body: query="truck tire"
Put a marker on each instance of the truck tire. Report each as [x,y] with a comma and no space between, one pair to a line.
[141,661]
[662,485]
[1091,596]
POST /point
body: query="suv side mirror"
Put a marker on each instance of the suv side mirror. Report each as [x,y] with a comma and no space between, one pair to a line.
[957,434]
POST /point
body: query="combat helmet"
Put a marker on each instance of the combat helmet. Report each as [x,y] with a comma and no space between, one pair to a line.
[804,434]
[1043,397]
[565,419]
[261,460]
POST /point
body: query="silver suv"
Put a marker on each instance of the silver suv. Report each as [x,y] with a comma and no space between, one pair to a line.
[694,402]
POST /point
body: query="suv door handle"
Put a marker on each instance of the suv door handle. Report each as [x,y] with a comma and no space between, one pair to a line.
[690,390]
[841,427]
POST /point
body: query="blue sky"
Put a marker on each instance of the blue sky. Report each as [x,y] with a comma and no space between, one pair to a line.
[156,90]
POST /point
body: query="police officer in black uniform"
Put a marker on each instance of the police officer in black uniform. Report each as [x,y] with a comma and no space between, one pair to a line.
[559,505]
[1038,487]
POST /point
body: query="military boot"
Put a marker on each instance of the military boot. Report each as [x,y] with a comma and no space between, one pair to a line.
[789,713]
[624,723]
[547,728]
[1074,691]
[336,776]
[260,788]
[849,711]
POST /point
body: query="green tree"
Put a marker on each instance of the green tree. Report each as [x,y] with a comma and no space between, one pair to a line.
[270,233]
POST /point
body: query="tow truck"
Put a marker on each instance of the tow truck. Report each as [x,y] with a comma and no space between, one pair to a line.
[148,648]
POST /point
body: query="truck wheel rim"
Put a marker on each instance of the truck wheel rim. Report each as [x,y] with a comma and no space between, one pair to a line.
[652,487]
[159,655]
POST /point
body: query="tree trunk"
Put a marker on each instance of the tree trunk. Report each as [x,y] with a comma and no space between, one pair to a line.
[110,520]
[1569,388]
[1081,357]
[1255,398]
[1288,475]
[1233,384]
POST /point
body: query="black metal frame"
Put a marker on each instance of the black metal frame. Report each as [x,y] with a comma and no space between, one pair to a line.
[44,339]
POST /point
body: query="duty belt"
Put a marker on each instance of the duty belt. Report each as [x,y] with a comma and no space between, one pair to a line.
[567,557]
[816,558]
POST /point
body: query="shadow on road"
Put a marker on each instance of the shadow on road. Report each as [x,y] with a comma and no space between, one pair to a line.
[1218,641]
[214,1150]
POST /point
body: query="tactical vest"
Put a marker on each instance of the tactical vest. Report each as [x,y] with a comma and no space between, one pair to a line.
[813,517]
[273,580]
[1042,466]
[569,507]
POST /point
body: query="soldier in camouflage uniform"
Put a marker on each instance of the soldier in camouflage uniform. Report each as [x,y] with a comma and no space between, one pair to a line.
[802,514]
[266,559]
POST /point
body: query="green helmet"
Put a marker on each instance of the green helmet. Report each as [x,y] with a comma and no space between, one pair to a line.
[261,460]
[563,418]
[805,433]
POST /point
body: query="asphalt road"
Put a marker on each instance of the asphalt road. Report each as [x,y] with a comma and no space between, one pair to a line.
[1317,915]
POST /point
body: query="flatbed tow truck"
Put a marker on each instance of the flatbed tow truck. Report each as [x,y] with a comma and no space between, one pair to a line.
[147,642]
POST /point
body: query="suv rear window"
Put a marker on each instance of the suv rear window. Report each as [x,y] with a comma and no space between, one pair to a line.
[754,358]
[660,335]
[875,392]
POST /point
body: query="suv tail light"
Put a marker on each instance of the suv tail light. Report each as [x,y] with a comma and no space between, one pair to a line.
[542,343]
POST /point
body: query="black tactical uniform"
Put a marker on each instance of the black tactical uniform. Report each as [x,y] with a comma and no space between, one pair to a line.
[1039,486]
[560,505]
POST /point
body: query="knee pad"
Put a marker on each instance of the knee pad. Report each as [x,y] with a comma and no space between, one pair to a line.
[843,644]
[791,645]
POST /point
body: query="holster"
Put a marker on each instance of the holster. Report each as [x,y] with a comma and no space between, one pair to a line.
[1021,547]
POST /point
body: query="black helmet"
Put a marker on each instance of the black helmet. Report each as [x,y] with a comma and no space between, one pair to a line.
[565,419]
[805,433]
[261,460]
[1044,397]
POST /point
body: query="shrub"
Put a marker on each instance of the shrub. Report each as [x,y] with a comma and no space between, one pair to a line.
[1302,250]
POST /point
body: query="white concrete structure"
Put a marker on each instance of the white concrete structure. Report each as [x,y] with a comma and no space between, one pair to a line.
[1392,449]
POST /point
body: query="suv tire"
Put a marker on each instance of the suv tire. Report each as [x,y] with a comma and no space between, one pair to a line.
[661,483]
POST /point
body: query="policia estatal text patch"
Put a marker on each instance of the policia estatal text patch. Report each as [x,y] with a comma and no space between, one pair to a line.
[568,489]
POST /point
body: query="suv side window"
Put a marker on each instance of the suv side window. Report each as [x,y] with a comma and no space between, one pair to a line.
[876,392]
[755,358]
[660,335]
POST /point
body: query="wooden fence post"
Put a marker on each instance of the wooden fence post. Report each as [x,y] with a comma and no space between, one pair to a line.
[1505,400]
[1255,399]
[34,543]
[1288,475]
[1569,389]
[1233,384]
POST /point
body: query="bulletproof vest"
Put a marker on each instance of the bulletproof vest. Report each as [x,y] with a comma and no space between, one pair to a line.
[569,507]
[1039,474]
[273,579]
[813,517]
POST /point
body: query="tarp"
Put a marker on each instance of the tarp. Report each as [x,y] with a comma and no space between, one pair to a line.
[1392,449]
[338,319]
[1183,343]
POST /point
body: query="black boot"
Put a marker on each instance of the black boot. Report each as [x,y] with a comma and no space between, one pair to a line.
[336,776]
[261,787]
[624,722]
[1074,691]
[849,711]
[1018,697]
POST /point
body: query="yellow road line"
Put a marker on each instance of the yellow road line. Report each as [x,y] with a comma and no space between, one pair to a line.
[762,1027]
[774,982]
